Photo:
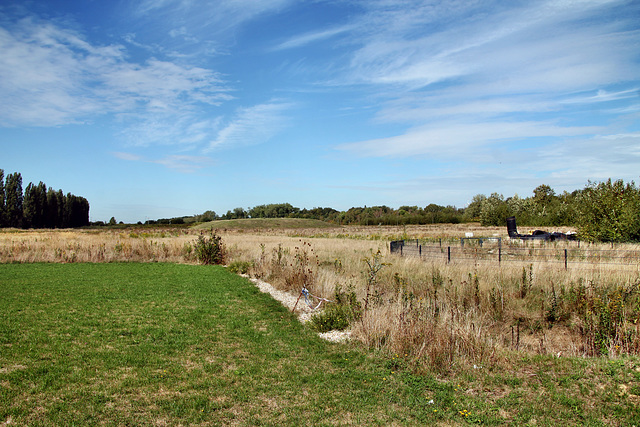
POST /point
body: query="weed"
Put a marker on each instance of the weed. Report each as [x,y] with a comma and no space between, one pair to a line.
[374,264]
[302,270]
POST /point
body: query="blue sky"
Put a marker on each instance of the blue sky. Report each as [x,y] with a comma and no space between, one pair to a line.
[163,108]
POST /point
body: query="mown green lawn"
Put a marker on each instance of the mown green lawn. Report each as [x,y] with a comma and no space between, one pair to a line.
[166,344]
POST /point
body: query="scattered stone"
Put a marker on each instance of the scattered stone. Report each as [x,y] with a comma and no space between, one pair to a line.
[303,311]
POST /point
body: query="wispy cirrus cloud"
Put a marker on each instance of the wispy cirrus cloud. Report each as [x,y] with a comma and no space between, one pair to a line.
[460,140]
[423,43]
[52,76]
[312,37]
[465,83]
[252,125]
[180,163]
[194,23]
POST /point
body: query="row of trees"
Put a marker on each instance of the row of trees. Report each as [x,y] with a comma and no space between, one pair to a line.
[605,211]
[39,206]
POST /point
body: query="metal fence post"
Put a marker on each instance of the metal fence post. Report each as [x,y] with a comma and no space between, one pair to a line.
[565,259]
[448,254]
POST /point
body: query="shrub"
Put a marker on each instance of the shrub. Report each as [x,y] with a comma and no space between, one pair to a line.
[339,314]
[240,267]
[609,212]
[333,318]
[210,250]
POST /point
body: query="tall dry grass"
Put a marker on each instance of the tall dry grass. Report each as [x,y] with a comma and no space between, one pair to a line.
[468,312]
[446,316]
[68,246]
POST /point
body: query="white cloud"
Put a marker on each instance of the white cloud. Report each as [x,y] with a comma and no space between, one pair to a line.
[602,95]
[130,157]
[51,76]
[181,163]
[185,164]
[168,128]
[205,19]
[312,37]
[459,140]
[253,125]
[472,78]
[539,46]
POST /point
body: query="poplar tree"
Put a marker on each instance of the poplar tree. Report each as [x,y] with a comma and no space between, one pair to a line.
[13,200]
[52,209]
[29,207]
[3,221]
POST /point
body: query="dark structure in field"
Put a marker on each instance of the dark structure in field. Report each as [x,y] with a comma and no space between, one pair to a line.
[536,235]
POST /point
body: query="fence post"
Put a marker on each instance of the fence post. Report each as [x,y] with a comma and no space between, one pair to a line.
[420,251]
[401,247]
[448,254]
[499,254]
[565,259]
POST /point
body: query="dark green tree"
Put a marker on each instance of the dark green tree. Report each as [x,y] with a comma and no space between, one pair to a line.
[3,220]
[239,213]
[13,200]
[29,206]
[62,200]
[35,209]
[52,209]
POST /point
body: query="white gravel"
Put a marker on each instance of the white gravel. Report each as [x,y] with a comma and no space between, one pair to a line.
[303,311]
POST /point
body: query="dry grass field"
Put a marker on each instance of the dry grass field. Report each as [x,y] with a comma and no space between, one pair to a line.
[444,316]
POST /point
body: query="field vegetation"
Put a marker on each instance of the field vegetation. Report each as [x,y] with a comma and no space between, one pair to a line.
[532,340]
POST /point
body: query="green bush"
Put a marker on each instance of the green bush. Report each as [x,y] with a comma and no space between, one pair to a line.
[240,267]
[338,314]
[210,250]
[609,212]
[333,318]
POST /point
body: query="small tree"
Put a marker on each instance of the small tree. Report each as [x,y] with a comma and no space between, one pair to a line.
[609,212]
[494,210]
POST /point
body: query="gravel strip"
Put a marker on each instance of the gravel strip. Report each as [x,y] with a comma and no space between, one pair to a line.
[303,310]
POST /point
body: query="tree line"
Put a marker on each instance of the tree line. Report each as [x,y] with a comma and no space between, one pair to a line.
[605,211]
[39,206]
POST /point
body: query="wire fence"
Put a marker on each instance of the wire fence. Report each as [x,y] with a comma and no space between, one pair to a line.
[493,249]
